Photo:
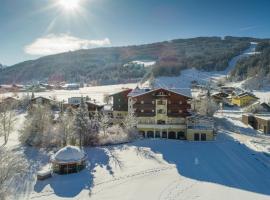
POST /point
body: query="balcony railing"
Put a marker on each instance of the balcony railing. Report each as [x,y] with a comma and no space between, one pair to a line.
[162,126]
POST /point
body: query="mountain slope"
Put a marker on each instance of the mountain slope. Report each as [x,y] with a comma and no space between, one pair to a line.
[105,65]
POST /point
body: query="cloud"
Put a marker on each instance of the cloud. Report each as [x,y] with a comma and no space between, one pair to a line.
[53,44]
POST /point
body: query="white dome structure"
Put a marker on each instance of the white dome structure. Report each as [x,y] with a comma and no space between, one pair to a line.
[69,154]
[69,159]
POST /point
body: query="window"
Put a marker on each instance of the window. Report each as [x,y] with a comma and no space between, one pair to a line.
[153,102]
[119,100]
[169,102]
[142,110]
[180,102]
[180,111]
[153,111]
[142,102]
[160,111]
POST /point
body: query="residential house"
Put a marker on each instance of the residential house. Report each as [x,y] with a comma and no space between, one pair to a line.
[243,99]
[11,101]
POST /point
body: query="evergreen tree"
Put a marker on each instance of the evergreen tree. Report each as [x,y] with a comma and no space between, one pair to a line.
[82,122]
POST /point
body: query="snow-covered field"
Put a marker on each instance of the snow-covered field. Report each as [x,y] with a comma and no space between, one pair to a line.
[94,92]
[232,167]
[164,169]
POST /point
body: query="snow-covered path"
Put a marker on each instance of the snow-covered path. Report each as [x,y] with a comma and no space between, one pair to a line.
[165,169]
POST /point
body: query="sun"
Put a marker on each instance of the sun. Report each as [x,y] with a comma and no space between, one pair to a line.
[69,4]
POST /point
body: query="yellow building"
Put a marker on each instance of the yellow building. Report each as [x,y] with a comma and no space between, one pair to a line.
[243,99]
[200,128]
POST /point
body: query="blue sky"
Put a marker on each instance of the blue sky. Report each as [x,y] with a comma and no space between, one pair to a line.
[33,28]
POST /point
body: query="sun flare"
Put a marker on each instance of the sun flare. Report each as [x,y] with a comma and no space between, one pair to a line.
[69,4]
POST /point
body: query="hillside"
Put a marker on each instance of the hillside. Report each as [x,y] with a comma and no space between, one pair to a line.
[105,65]
[255,67]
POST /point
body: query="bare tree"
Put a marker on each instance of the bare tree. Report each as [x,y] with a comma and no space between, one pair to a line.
[7,120]
[12,166]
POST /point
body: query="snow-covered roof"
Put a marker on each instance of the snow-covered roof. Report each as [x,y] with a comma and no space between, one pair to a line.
[140,91]
[69,154]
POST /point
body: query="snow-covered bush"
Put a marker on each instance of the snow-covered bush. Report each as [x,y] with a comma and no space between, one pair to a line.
[256,108]
[38,129]
[12,166]
[114,135]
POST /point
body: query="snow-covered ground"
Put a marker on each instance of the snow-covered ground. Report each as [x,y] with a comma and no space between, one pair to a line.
[146,63]
[235,166]
[164,169]
[231,124]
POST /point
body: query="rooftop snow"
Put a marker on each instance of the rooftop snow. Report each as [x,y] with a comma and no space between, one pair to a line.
[69,154]
[139,91]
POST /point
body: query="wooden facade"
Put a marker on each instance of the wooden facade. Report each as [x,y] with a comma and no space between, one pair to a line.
[152,103]
[120,100]
[161,113]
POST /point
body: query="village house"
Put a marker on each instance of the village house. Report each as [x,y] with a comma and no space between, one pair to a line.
[92,104]
[260,122]
[55,105]
[220,97]
[243,99]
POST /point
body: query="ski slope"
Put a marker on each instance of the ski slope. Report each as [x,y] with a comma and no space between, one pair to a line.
[202,77]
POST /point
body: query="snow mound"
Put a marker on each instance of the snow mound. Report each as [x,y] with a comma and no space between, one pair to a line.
[69,154]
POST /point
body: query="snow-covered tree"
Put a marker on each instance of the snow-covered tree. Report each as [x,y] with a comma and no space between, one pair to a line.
[106,98]
[104,123]
[7,120]
[25,100]
[130,121]
[12,167]
[38,126]
[65,127]
[82,122]
[205,105]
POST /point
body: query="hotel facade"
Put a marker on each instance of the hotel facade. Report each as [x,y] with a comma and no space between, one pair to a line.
[161,113]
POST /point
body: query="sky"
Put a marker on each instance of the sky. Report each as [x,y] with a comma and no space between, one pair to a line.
[34,28]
